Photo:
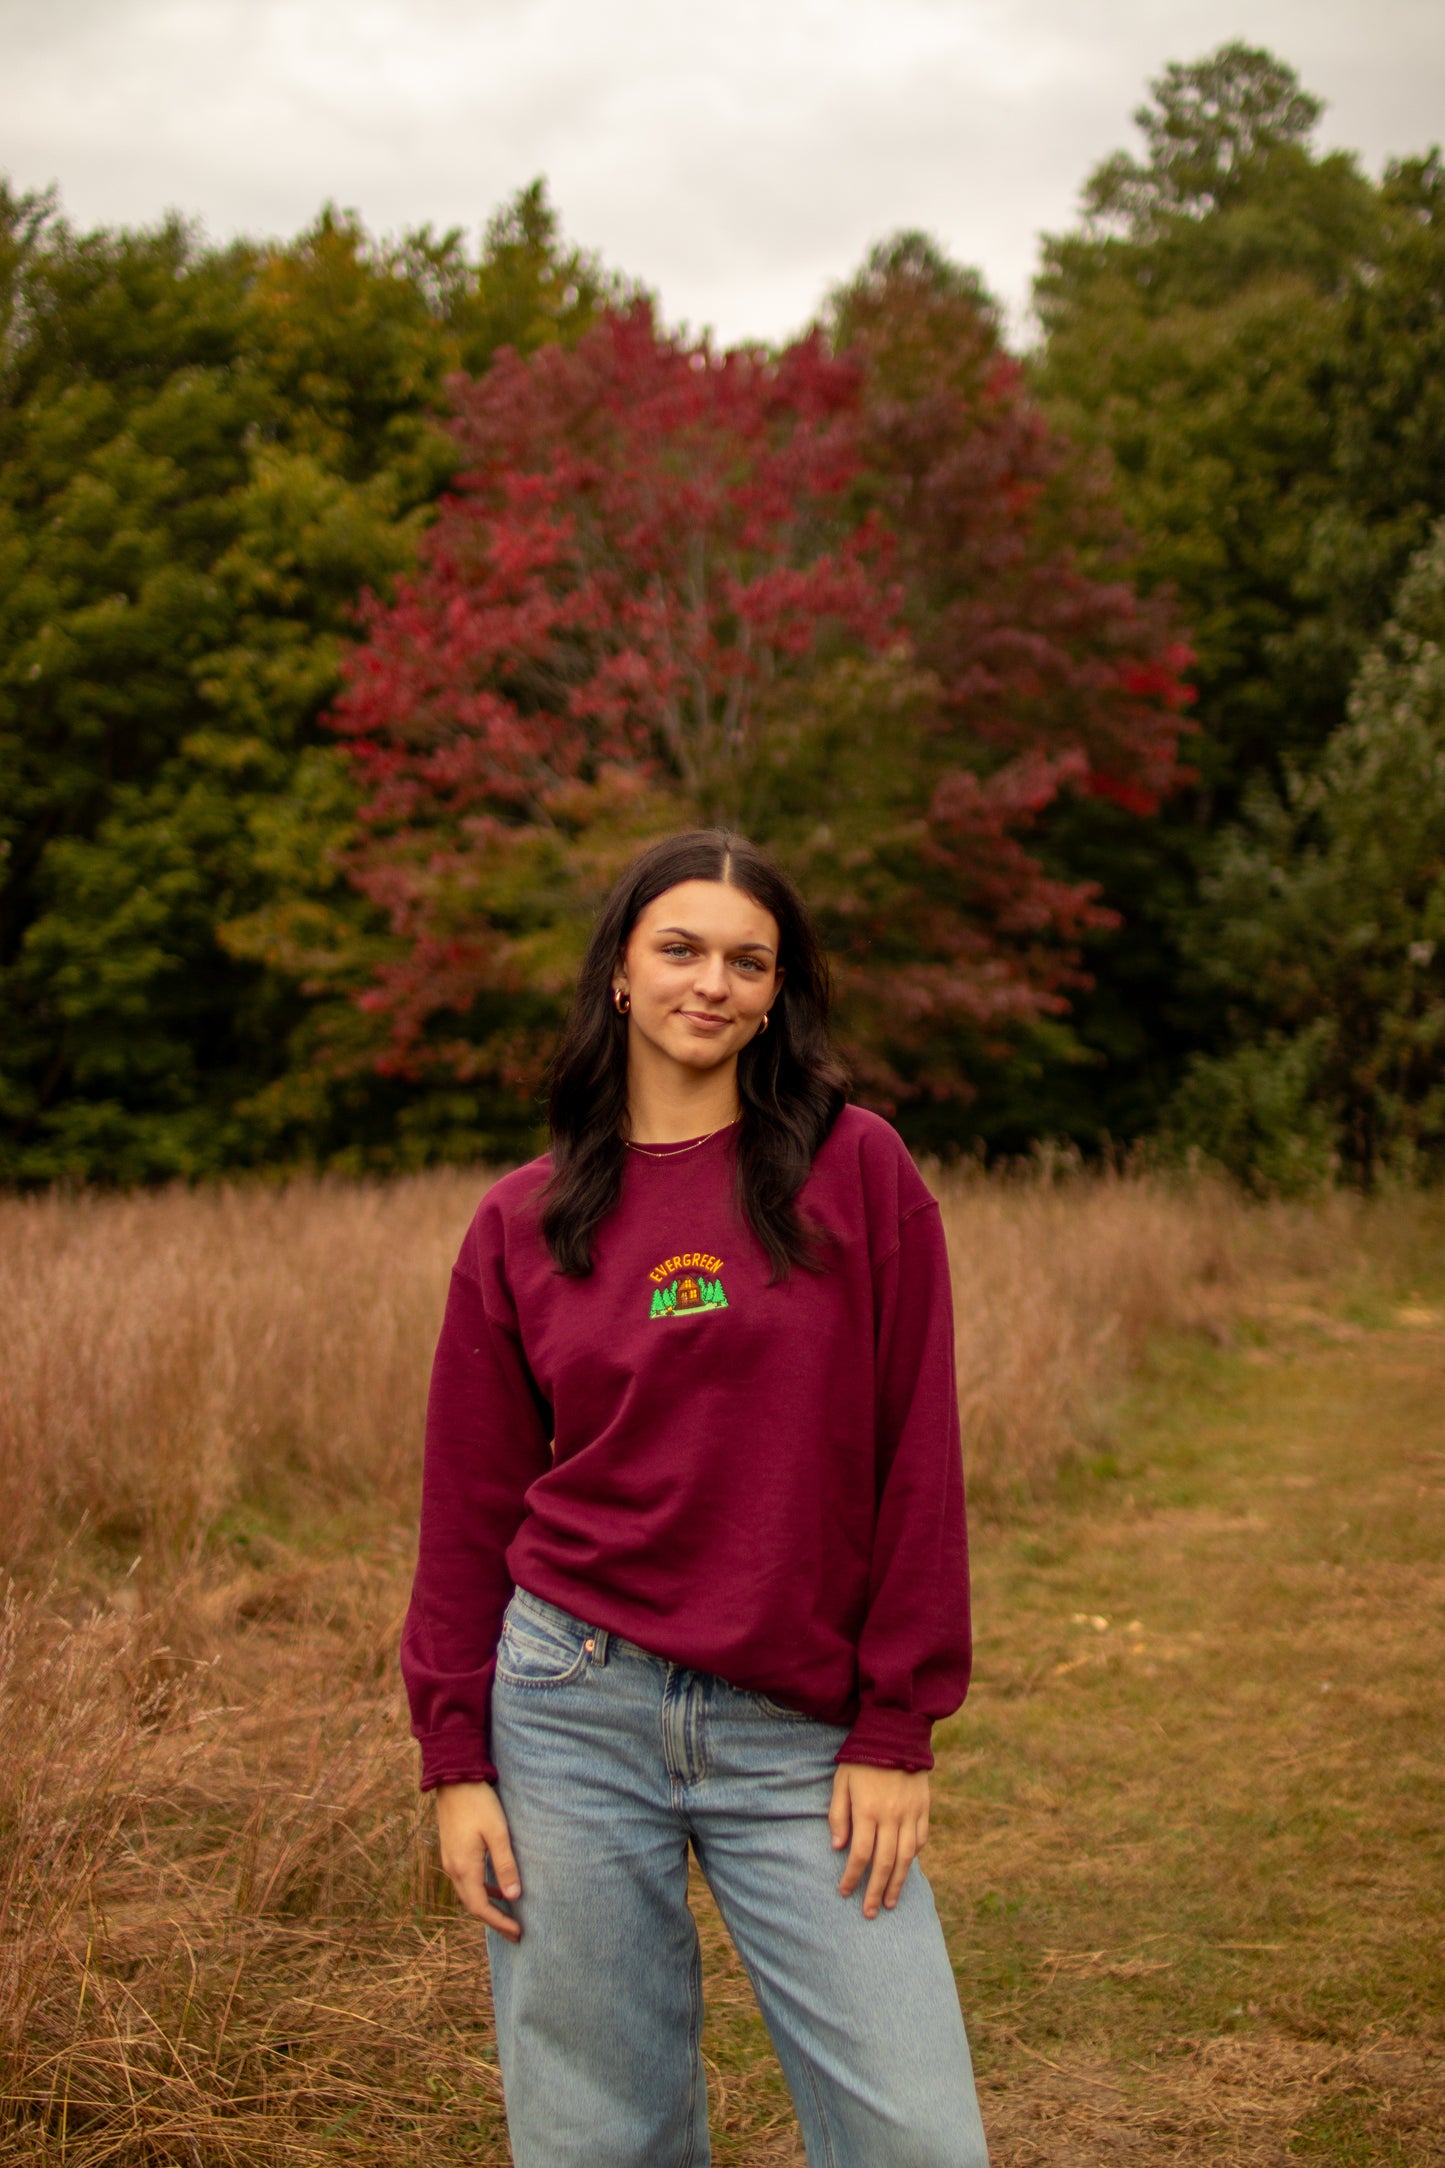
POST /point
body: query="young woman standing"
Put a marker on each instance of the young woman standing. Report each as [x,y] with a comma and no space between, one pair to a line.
[692,1563]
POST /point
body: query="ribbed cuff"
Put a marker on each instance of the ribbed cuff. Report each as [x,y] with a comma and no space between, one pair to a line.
[455,1757]
[889,1739]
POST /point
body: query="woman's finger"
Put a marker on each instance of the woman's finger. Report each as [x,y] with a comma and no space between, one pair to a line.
[478,1899]
[885,1851]
[498,1840]
[480,1896]
[840,1811]
[864,1829]
[907,1853]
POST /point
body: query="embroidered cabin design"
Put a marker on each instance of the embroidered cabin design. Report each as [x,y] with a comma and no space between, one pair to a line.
[686,1285]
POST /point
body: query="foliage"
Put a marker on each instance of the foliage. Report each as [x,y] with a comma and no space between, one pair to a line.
[1247,331]
[206,455]
[1383,387]
[1190,324]
[1229,192]
[1209,124]
[942,682]
[1324,924]
[1038,679]
[664,590]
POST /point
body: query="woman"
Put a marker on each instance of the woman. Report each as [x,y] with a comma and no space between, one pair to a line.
[692,1563]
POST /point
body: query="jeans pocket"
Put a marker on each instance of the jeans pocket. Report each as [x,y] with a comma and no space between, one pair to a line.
[536,1651]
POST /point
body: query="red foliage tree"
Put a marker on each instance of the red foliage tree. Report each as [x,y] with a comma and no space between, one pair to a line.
[1039,674]
[647,545]
[834,596]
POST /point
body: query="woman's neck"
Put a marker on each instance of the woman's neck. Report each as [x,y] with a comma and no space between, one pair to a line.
[670,1108]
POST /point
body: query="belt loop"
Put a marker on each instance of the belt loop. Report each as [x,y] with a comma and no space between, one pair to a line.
[597,1638]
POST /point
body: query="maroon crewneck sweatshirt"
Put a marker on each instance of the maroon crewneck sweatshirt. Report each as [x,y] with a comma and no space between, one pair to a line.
[763,1482]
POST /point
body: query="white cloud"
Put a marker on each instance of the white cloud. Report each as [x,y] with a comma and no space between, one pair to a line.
[738,156]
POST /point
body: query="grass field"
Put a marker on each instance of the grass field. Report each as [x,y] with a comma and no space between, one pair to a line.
[1187,1841]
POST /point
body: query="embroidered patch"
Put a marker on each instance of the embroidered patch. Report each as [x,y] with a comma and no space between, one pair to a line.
[687,1283]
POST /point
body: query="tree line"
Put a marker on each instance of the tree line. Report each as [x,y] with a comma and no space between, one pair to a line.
[363,605]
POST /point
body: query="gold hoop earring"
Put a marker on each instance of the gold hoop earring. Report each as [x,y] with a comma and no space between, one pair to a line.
[764,1024]
[621,1000]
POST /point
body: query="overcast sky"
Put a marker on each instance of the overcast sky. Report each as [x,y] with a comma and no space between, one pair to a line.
[739,156]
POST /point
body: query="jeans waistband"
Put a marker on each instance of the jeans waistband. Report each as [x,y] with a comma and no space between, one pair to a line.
[605,1642]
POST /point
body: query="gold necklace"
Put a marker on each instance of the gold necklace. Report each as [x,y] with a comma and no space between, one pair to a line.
[686,1148]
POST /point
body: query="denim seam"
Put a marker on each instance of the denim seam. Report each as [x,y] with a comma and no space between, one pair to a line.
[694,2041]
[574,1670]
[531,1639]
[516,1684]
[778,1709]
[697,1739]
[831,2157]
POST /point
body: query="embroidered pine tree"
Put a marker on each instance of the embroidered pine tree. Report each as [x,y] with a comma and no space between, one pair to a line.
[691,1293]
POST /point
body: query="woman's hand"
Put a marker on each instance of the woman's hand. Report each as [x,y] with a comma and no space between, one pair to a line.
[471,1824]
[885,1812]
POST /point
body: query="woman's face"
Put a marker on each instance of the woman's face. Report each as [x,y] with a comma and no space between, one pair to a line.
[701,967]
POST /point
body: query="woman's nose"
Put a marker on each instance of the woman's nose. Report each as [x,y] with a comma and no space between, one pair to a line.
[712,978]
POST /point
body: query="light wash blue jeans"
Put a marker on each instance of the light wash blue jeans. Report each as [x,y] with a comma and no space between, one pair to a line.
[609,1759]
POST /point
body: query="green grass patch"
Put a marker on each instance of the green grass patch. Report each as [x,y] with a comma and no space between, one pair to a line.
[1197,1796]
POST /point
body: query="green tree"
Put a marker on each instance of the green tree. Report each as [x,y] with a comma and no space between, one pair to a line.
[1324,927]
[207,456]
[1191,327]
[532,288]
[1212,333]
[1229,191]
[1383,388]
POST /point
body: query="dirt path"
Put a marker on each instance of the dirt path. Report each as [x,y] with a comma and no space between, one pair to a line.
[1188,1846]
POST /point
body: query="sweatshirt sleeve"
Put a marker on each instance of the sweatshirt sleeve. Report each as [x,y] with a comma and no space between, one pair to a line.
[488,1432]
[915,1648]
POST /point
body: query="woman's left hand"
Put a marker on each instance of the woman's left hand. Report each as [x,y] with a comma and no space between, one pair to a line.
[885,1813]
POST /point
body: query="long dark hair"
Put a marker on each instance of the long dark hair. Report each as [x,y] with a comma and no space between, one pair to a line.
[789,1081]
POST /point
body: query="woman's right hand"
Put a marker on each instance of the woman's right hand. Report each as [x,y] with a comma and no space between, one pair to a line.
[471,1824]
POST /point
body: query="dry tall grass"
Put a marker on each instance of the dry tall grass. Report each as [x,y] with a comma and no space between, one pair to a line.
[222,1938]
[1059,1287]
[164,1358]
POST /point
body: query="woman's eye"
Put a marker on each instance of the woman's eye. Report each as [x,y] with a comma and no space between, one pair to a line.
[680,948]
